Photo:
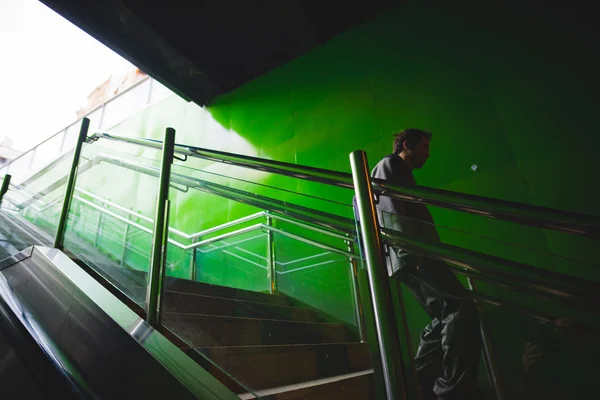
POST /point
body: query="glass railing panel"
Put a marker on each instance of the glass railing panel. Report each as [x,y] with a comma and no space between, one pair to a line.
[317,196]
[16,232]
[237,262]
[247,296]
[126,104]
[37,203]
[20,168]
[109,226]
[516,307]
[47,152]
[542,348]
[545,249]
[212,293]
[318,278]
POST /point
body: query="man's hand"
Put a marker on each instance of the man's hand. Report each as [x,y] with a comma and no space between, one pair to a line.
[532,353]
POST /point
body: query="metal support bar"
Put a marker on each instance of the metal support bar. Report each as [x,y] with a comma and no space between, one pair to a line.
[125,238]
[4,188]
[414,390]
[62,222]
[311,242]
[271,260]
[357,303]
[193,266]
[491,367]
[159,239]
[387,335]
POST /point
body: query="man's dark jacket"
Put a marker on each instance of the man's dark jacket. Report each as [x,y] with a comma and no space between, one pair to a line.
[412,219]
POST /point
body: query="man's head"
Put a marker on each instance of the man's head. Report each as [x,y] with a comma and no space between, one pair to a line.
[413,146]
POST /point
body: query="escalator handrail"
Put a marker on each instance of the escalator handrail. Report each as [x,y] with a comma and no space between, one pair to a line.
[536,216]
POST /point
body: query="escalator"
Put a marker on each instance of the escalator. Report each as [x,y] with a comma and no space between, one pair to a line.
[275,303]
[89,343]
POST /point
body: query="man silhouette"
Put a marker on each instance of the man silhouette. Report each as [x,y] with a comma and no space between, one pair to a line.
[448,356]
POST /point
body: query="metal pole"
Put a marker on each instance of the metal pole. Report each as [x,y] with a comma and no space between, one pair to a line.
[193,266]
[5,186]
[488,355]
[357,303]
[160,236]
[125,237]
[272,267]
[98,226]
[62,222]
[415,390]
[387,335]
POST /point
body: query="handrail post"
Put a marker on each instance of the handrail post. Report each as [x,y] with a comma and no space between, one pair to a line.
[5,186]
[491,367]
[385,327]
[160,235]
[272,266]
[62,222]
[357,302]
[193,266]
[125,237]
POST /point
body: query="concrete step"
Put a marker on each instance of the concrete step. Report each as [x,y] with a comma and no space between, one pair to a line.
[199,330]
[355,386]
[178,302]
[187,286]
[286,364]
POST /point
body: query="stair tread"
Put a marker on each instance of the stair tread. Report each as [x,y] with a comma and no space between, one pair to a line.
[192,303]
[187,286]
[357,385]
[300,347]
[210,330]
[293,363]
[267,320]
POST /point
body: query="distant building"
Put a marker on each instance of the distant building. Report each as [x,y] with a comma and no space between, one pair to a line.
[110,88]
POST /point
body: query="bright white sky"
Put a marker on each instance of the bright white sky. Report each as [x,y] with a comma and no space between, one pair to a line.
[48,67]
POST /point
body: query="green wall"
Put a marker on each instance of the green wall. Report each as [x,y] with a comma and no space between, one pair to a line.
[506,89]
[517,102]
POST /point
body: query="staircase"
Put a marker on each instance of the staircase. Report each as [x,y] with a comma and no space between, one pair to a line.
[274,348]
[257,344]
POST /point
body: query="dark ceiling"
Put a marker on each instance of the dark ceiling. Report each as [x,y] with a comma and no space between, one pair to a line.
[213,46]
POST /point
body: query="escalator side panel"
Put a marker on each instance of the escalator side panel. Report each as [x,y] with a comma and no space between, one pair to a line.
[98,335]
[25,369]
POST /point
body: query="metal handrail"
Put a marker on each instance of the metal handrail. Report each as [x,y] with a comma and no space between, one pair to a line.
[536,216]
[552,285]
[221,227]
[390,190]
[526,214]
[324,220]
[217,228]
[329,177]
